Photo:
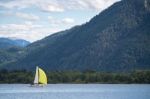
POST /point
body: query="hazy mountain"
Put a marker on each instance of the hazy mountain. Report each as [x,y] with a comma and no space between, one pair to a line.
[118,39]
[11,42]
[11,49]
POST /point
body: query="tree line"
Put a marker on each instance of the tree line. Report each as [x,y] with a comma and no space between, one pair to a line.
[26,77]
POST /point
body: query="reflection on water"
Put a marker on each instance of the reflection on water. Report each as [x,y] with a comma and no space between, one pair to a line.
[75,91]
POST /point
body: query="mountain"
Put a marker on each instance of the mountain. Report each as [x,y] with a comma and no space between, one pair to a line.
[11,42]
[11,54]
[117,39]
[11,49]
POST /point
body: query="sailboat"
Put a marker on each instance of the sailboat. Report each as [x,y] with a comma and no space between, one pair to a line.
[40,77]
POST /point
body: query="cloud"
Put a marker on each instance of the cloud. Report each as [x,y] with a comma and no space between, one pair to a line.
[87,4]
[43,5]
[19,27]
[18,4]
[58,22]
[26,16]
[96,4]
[51,7]
[28,31]
[68,21]
[57,5]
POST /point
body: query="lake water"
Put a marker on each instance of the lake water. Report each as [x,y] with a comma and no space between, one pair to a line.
[75,91]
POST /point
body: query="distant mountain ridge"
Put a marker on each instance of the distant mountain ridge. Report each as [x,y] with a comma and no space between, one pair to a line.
[11,42]
[118,39]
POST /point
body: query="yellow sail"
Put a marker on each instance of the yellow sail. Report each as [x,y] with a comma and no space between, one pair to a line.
[42,77]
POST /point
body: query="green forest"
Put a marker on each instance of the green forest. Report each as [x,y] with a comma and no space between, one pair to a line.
[27,77]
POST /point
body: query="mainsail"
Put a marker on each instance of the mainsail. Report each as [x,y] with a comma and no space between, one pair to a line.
[36,76]
[40,77]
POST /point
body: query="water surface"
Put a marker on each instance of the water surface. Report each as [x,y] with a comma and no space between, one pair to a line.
[75,91]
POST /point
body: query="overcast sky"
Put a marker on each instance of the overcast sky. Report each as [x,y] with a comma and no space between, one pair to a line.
[34,19]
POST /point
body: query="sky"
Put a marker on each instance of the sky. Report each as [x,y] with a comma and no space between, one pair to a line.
[35,19]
